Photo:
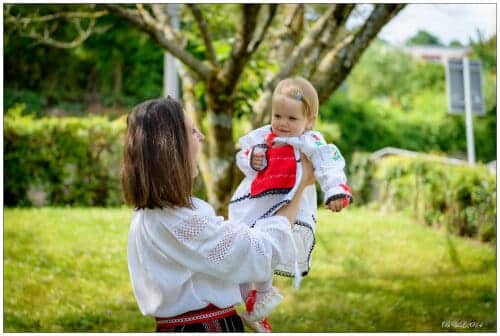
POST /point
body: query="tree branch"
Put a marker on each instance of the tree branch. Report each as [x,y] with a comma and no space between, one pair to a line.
[159,12]
[328,38]
[203,71]
[46,38]
[55,16]
[239,53]
[303,49]
[271,13]
[297,10]
[286,38]
[338,63]
[32,26]
[146,16]
[299,52]
[164,19]
[202,25]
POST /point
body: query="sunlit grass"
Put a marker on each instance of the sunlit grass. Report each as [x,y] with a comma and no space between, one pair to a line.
[66,270]
[374,272]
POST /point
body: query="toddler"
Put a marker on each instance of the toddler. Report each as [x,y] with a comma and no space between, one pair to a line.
[270,159]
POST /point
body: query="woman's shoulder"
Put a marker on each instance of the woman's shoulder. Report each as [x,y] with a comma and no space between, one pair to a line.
[200,208]
[178,214]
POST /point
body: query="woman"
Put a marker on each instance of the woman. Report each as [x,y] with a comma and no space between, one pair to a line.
[185,262]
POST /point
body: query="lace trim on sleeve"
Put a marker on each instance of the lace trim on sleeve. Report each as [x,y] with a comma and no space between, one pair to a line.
[191,228]
[223,247]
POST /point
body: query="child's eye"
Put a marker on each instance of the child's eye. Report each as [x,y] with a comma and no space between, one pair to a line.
[277,116]
[293,118]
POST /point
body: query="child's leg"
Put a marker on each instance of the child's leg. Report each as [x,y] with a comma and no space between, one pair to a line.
[263,288]
[265,299]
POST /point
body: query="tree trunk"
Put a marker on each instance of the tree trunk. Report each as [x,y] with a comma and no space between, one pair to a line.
[219,150]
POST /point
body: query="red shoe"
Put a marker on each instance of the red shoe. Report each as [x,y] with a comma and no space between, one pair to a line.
[262,326]
[250,300]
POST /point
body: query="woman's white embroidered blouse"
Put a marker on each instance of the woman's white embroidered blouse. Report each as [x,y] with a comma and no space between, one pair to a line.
[182,259]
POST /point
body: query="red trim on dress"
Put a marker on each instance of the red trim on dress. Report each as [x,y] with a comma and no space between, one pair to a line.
[207,314]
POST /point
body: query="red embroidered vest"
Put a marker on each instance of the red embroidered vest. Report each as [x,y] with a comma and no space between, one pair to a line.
[281,171]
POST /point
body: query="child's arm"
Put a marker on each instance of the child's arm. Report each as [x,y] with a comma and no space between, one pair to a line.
[329,171]
[251,158]
[328,167]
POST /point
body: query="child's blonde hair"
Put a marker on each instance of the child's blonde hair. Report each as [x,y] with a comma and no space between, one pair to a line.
[300,89]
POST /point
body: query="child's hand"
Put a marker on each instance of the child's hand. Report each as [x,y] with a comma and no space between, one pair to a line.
[336,205]
[258,160]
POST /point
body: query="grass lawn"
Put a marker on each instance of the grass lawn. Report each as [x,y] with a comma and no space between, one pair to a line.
[65,269]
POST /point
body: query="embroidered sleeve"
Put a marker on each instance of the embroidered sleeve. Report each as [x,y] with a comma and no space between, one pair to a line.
[250,144]
[329,166]
[206,243]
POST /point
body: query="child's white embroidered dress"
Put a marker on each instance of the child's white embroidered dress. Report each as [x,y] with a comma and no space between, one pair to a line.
[247,206]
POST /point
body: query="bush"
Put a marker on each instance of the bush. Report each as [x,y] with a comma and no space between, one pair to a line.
[65,161]
[62,161]
[369,126]
[461,199]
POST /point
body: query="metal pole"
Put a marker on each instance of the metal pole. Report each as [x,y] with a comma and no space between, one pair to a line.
[471,155]
[170,77]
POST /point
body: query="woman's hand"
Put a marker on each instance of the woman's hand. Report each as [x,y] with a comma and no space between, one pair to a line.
[290,210]
[307,171]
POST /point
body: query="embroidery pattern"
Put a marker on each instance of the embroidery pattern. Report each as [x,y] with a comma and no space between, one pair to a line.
[201,317]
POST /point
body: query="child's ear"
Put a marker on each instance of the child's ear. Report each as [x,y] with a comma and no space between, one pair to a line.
[310,123]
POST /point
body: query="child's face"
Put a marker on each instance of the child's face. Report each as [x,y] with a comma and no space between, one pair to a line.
[288,117]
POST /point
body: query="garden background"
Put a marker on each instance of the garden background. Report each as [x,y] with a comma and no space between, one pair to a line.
[415,252]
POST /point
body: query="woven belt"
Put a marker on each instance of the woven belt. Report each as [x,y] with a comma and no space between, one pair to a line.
[206,314]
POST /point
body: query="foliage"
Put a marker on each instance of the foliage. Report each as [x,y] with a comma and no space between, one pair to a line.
[461,199]
[71,161]
[423,37]
[455,44]
[65,270]
[390,99]
[355,125]
[387,73]
[65,161]
[119,66]
[486,51]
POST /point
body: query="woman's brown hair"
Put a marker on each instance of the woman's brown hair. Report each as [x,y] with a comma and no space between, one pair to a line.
[157,170]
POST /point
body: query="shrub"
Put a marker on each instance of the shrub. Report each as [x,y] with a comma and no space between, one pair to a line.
[65,161]
[460,198]
[62,161]
[369,126]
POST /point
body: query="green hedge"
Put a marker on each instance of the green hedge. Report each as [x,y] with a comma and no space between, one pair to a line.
[461,199]
[62,161]
[368,126]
